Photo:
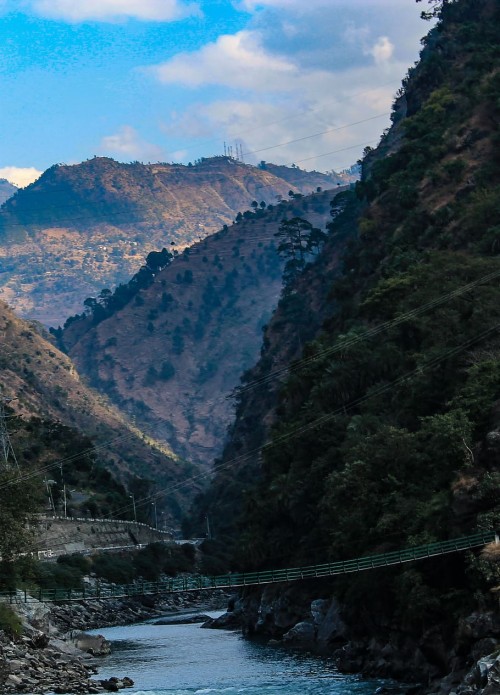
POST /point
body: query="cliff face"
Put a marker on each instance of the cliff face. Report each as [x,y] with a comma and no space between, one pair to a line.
[173,351]
[385,432]
[87,226]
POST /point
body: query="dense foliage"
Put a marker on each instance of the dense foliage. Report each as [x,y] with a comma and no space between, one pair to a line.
[385,433]
[148,563]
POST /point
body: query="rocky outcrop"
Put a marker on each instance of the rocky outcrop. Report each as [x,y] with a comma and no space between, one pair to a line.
[28,667]
[53,654]
[482,679]
[291,617]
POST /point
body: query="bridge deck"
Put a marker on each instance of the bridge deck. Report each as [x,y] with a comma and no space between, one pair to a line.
[290,574]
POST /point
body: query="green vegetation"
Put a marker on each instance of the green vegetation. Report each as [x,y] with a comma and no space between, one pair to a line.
[381,438]
[10,622]
[148,563]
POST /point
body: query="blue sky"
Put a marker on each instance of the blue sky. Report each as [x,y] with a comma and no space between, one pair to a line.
[303,81]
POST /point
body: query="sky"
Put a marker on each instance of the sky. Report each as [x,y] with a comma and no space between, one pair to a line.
[308,82]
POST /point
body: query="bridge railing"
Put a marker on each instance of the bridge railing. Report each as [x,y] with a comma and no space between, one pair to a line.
[200,582]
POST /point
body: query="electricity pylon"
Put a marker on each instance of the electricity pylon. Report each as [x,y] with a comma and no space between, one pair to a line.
[8,458]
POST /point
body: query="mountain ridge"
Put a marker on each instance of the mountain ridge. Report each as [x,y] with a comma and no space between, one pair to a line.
[87,226]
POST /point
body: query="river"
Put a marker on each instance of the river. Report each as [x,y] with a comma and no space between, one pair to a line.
[189,660]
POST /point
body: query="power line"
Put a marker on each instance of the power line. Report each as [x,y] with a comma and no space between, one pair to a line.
[327,352]
[290,117]
[318,422]
[326,418]
[107,215]
[315,135]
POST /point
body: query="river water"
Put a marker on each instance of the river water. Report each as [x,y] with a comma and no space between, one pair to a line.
[189,660]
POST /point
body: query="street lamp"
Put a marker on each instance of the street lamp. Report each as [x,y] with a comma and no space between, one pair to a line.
[132,497]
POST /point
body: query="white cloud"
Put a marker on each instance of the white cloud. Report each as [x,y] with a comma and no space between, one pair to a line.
[127,143]
[382,51]
[20,176]
[288,76]
[113,10]
[234,60]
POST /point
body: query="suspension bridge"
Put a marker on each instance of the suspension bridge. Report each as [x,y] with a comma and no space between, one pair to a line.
[100,591]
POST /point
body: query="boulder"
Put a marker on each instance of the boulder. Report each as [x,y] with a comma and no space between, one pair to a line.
[302,634]
[331,628]
[227,621]
[96,645]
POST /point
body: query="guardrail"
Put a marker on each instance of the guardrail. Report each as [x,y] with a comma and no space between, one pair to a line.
[290,574]
[124,522]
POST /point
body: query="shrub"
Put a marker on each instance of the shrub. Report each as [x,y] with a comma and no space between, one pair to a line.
[10,622]
[113,568]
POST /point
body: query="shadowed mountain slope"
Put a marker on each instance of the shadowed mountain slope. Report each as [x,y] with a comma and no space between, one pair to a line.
[52,404]
[177,348]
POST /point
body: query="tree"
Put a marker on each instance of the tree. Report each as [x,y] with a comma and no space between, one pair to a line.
[157,260]
[437,6]
[18,504]
[298,239]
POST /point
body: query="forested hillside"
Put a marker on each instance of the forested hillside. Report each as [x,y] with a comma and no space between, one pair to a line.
[169,346]
[386,431]
[84,227]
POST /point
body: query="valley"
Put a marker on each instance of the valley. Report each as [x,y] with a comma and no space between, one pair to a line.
[298,373]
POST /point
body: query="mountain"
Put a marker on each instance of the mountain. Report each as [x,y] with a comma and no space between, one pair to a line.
[54,415]
[383,431]
[304,181]
[7,190]
[169,347]
[87,226]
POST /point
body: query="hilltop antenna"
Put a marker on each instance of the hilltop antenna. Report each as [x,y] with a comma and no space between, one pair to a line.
[9,459]
[241,153]
[225,149]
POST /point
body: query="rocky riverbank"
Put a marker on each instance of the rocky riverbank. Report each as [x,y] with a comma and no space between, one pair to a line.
[47,649]
[293,617]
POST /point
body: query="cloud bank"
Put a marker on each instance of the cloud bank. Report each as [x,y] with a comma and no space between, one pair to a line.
[20,176]
[284,79]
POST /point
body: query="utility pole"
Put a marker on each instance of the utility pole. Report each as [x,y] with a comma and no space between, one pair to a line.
[132,497]
[9,459]
[153,504]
